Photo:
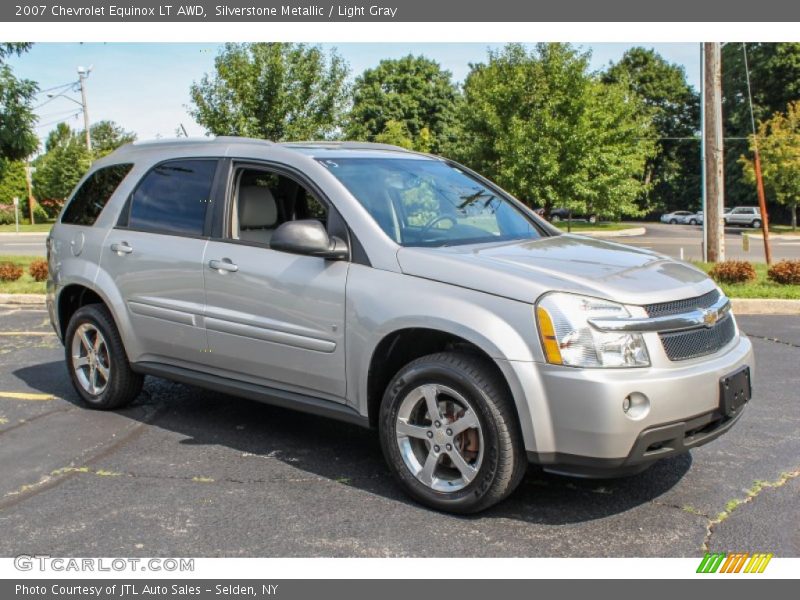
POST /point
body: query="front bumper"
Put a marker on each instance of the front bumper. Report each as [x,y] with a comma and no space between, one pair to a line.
[583,430]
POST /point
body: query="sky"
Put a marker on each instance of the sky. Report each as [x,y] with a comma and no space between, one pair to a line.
[145,87]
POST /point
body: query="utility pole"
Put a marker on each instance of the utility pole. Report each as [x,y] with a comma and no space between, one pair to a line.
[762,200]
[29,186]
[82,75]
[712,134]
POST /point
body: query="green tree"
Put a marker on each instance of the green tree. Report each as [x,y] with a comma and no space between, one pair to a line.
[551,133]
[413,91]
[61,166]
[12,182]
[674,171]
[779,147]
[775,82]
[275,91]
[107,136]
[17,119]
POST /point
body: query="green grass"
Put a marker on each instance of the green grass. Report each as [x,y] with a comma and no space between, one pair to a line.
[602,226]
[760,288]
[783,230]
[25,284]
[27,227]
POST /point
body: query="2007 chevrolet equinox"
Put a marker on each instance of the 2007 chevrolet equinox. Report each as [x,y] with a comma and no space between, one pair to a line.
[394,290]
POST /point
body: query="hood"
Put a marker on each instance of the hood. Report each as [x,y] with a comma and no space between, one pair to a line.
[524,270]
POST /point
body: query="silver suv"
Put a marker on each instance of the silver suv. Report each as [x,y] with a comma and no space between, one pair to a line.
[393,290]
[744,216]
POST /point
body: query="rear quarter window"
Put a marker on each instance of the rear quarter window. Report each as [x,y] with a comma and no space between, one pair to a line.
[92,196]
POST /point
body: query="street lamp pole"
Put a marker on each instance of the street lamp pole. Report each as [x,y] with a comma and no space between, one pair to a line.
[82,75]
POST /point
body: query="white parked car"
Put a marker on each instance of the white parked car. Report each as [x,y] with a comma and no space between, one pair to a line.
[694,219]
[676,217]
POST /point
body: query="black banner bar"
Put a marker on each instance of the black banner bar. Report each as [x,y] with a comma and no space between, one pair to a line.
[399,11]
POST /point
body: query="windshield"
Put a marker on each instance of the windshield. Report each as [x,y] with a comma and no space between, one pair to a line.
[430,203]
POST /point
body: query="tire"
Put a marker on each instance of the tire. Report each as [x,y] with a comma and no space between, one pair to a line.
[494,458]
[756,224]
[673,222]
[692,221]
[120,385]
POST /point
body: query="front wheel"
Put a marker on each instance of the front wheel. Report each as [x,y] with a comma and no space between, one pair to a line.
[96,360]
[693,222]
[449,433]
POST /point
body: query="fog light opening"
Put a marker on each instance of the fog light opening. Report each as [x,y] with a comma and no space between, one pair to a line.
[636,406]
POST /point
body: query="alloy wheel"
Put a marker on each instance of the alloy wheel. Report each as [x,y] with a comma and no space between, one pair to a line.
[440,437]
[90,359]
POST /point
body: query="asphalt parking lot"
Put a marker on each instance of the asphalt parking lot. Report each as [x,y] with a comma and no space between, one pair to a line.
[184,472]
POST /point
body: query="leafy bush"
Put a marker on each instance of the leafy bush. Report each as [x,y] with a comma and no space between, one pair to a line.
[38,270]
[733,271]
[6,214]
[40,214]
[786,272]
[52,206]
[9,271]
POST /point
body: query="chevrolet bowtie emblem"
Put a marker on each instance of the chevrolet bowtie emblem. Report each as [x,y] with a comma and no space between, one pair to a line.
[710,317]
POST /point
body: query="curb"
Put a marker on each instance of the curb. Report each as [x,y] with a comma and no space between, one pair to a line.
[763,306]
[630,232]
[14,234]
[22,298]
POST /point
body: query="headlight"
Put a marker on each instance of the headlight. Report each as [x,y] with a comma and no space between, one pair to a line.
[568,339]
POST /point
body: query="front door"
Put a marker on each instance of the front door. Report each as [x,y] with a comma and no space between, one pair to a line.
[274,318]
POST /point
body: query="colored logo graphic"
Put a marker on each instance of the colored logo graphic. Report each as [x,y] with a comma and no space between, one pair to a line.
[735,562]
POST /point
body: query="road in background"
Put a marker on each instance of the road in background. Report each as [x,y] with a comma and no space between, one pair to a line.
[30,244]
[670,239]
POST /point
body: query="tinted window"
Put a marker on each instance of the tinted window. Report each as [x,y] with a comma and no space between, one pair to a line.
[429,202]
[90,199]
[173,197]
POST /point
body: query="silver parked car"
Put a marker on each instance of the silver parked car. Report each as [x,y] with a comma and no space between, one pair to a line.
[397,291]
[744,216]
[675,217]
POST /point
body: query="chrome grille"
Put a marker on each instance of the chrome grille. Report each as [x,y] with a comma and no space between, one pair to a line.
[683,345]
[693,343]
[680,306]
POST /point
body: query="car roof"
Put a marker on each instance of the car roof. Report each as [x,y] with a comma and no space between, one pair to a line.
[233,146]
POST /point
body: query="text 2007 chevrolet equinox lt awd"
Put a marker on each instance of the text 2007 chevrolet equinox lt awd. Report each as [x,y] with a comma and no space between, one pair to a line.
[394,290]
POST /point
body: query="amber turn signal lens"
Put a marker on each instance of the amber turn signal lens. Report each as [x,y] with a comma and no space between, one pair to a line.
[548,334]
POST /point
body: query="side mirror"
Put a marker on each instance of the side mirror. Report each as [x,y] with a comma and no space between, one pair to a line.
[308,237]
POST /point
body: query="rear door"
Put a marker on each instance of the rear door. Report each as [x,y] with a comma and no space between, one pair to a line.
[274,318]
[155,254]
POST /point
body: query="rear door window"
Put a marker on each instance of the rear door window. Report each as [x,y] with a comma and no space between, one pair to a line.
[93,194]
[173,198]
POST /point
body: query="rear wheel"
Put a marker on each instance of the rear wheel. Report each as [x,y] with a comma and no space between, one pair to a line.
[673,221]
[756,223]
[692,221]
[449,433]
[96,360]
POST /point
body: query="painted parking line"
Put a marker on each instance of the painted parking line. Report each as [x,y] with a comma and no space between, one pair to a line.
[27,396]
[24,333]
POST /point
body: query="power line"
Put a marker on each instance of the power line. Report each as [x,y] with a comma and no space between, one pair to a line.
[57,87]
[67,118]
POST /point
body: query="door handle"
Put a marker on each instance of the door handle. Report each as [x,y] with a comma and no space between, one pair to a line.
[223,266]
[121,248]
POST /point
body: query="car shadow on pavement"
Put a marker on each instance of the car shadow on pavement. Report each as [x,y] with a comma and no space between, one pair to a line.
[350,455]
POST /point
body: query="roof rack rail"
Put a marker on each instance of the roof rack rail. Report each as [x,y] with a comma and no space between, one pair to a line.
[345,145]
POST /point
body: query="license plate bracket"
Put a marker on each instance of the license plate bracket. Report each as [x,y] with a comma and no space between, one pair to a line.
[735,390]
